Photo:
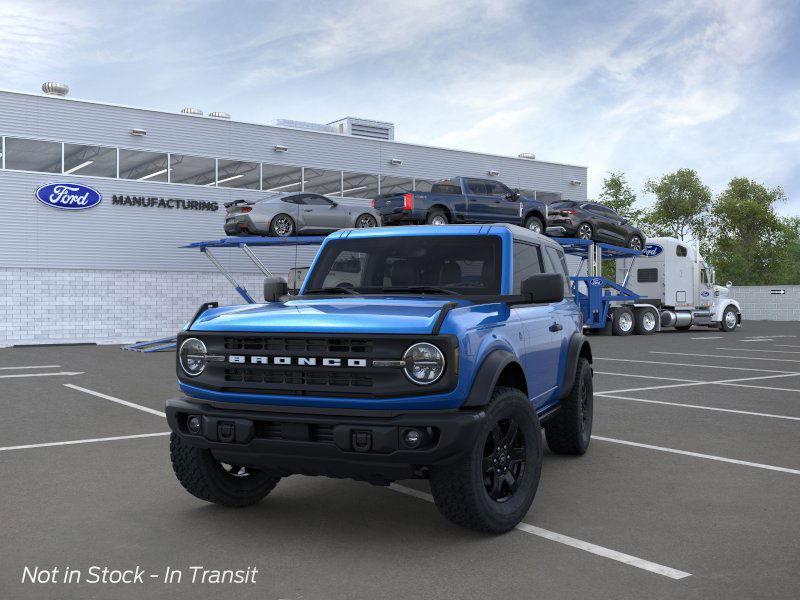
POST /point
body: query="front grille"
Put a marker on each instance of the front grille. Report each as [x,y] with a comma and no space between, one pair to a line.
[298,377]
[273,430]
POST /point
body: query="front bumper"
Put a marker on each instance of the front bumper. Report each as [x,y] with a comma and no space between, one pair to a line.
[369,448]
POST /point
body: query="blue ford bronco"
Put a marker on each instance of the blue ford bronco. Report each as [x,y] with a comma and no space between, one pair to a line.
[424,352]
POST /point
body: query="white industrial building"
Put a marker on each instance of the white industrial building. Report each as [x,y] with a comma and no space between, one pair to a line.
[115,272]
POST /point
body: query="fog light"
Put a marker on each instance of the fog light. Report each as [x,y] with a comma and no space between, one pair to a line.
[194,424]
[412,438]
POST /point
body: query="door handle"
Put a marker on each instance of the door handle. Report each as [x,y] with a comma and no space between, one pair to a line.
[307,210]
[556,327]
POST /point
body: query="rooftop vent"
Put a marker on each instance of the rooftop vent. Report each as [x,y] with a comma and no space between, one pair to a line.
[303,125]
[527,155]
[192,111]
[377,130]
[219,115]
[51,88]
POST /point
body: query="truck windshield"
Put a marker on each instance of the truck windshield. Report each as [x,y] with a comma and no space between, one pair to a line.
[441,264]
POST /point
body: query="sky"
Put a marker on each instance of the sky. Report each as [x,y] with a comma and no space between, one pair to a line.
[639,87]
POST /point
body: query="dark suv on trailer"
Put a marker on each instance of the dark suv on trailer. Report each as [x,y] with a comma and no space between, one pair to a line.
[593,221]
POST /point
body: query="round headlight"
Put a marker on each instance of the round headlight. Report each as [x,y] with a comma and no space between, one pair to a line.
[192,356]
[424,363]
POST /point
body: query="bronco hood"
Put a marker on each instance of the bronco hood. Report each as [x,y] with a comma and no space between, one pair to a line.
[384,314]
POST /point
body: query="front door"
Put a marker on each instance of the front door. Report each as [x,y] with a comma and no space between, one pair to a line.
[319,213]
[479,201]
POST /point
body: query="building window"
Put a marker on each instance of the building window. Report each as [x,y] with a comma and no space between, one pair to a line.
[33,155]
[97,161]
[194,170]
[144,166]
[423,185]
[396,185]
[237,174]
[321,181]
[359,185]
[280,178]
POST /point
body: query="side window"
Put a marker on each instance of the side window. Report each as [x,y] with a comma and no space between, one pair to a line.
[476,186]
[647,275]
[681,251]
[495,188]
[527,262]
[446,186]
[316,200]
[293,200]
[704,276]
[559,265]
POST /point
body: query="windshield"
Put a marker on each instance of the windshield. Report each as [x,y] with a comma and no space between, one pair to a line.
[442,264]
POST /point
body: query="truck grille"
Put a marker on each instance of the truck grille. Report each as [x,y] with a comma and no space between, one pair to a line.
[334,346]
[298,377]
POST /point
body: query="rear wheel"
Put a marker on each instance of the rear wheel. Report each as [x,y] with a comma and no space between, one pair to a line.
[729,320]
[492,487]
[622,321]
[584,231]
[366,220]
[534,224]
[281,226]
[635,243]
[437,217]
[645,321]
[570,430]
[208,479]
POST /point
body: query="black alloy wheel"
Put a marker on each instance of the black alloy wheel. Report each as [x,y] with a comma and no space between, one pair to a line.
[365,221]
[635,243]
[584,231]
[503,460]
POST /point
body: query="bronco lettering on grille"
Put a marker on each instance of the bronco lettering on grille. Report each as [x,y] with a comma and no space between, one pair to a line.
[301,361]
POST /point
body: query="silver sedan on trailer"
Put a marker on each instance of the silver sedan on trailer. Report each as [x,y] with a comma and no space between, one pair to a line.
[295,213]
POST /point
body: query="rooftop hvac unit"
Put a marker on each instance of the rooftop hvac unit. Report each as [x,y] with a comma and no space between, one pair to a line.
[377,130]
[219,115]
[192,111]
[303,125]
[51,88]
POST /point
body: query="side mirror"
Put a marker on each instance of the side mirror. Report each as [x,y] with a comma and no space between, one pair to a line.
[544,288]
[729,285]
[274,288]
[334,204]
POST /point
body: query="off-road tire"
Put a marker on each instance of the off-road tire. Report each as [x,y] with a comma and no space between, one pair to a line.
[204,477]
[274,232]
[434,213]
[530,221]
[619,322]
[570,429]
[640,326]
[459,488]
[723,325]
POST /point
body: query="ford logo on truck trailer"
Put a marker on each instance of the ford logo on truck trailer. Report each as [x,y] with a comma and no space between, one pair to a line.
[652,250]
[68,196]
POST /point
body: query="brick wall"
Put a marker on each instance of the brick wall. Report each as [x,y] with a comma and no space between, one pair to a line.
[41,306]
[758,303]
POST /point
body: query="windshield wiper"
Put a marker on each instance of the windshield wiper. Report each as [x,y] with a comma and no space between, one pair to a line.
[334,289]
[421,289]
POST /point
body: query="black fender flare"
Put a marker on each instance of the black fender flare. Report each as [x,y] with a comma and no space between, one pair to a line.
[578,346]
[487,375]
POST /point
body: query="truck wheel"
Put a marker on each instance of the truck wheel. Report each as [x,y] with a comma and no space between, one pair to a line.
[208,479]
[645,321]
[729,320]
[622,321]
[492,487]
[570,430]
[534,224]
[281,226]
[437,217]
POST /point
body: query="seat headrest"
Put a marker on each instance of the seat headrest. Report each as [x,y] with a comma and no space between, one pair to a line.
[451,273]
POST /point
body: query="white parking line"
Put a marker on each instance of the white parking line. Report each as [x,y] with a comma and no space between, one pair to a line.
[724,356]
[698,455]
[152,411]
[86,441]
[759,340]
[31,367]
[787,346]
[708,337]
[758,350]
[627,559]
[646,376]
[717,382]
[19,375]
[701,407]
[674,364]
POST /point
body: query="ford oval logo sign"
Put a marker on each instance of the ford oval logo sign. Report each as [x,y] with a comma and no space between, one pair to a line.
[652,250]
[596,281]
[705,294]
[68,196]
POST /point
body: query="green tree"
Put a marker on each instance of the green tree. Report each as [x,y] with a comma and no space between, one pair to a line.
[681,205]
[750,243]
[618,195]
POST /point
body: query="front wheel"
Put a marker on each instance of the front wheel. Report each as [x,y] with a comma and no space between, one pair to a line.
[534,224]
[281,226]
[584,231]
[365,221]
[635,243]
[492,487]
[729,320]
[208,479]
